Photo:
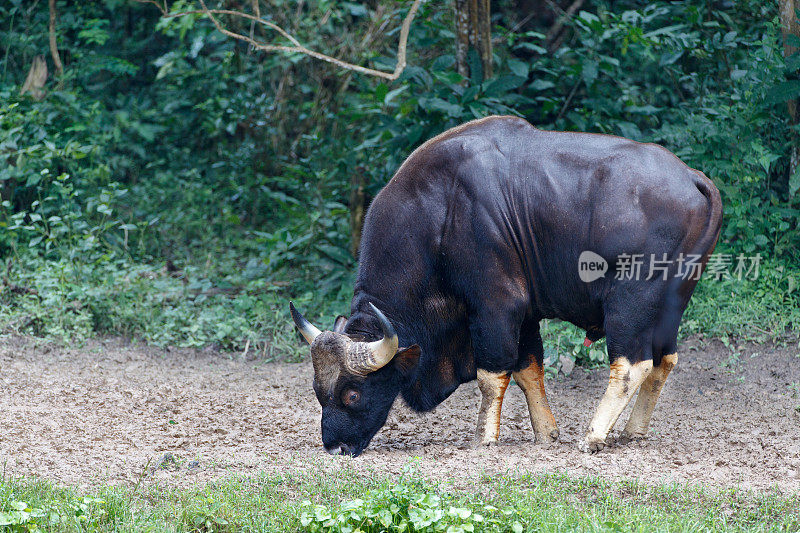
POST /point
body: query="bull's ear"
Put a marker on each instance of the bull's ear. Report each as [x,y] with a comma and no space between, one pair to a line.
[339,324]
[406,359]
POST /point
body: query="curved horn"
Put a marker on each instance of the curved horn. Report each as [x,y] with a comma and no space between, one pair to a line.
[379,353]
[306,328]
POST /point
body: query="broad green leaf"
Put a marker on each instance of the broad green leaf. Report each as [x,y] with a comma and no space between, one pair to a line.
[783,91]
[391,95]
[589,71]
[475,67]
[535,48]
[503,85]
[541,85]
[443,62]
[793,62]
[443,106]
[519,68]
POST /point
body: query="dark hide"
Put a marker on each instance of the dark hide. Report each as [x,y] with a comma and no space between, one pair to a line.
[477,236]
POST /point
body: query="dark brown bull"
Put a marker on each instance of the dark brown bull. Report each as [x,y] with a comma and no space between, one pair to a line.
[491,227]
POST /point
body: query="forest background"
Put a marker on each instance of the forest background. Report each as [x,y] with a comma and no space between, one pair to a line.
[175,173]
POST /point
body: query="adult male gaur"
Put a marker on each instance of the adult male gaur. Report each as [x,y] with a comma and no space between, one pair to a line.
[481,233]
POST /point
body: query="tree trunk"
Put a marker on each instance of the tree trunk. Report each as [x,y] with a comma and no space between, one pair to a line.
[357,208]
[462,36]
[53,43]
[37,76]
[484,42]
[473,27]
[791,27]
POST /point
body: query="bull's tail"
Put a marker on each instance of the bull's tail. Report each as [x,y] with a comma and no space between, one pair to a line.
[705,243]
[708,240]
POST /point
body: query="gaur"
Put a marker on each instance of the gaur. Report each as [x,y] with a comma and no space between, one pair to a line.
[479,236]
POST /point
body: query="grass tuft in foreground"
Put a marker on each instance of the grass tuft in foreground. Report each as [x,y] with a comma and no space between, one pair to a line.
[344,501]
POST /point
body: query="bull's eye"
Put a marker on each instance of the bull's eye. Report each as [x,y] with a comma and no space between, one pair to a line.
[351,397]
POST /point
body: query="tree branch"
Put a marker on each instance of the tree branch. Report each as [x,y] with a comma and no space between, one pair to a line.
[554,37]
[297,47]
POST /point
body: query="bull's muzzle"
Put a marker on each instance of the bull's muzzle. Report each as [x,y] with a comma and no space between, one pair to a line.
[340,449]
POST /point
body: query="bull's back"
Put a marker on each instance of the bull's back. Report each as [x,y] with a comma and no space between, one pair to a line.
[562,187]
[531,201]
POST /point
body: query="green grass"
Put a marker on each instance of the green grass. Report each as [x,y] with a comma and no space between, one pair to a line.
[766,309]
[343,500]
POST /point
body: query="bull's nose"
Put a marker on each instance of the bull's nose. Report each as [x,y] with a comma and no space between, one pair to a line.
[339,449]
[334,450]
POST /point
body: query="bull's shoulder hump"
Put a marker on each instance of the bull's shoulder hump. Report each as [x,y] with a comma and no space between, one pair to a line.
[489,127]
[470,137]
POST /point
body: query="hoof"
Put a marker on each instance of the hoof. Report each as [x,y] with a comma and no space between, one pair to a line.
[550,437]
[591,446]
[484,443]
[626,438]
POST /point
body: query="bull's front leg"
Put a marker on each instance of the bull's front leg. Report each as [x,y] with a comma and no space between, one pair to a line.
[493,388]
[622,384]
[531,381]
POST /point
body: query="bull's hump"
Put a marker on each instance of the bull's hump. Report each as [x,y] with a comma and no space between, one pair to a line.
[488,128]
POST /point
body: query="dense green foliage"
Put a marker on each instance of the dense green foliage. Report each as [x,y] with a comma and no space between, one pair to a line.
[176,186]
[343,501]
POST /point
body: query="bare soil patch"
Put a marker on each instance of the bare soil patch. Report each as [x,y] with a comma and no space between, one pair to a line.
[109,412]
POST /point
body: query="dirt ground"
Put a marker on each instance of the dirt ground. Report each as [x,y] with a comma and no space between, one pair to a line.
[108,413]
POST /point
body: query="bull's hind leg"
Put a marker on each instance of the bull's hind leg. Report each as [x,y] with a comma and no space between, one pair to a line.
[531,381]
[639,422]
[624,380]
[493,388]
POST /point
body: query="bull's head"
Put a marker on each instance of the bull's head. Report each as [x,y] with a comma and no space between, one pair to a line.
[356,382]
